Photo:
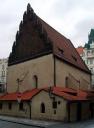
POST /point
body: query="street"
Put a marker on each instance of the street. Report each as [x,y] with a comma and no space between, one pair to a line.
[6,124]
[82,124]
[9,123]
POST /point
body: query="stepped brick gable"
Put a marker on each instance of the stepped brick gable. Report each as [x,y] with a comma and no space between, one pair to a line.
[35,37]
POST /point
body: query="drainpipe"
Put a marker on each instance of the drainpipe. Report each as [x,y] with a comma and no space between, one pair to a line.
[68,111]
[29,104]
[54,70]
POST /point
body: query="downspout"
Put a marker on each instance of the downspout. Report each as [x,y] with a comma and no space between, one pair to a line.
[30,109]
[29,104]
[91,82]
[54,70]
[68,111]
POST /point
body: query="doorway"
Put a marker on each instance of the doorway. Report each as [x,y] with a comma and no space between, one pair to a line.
[79,110]
[91,107]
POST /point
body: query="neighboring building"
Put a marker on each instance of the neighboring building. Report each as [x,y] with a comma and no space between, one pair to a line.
[87,53]
[3,73]
[80,50]
[46,75]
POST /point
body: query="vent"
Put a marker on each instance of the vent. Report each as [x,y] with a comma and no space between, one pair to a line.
[61,50]
[74,58]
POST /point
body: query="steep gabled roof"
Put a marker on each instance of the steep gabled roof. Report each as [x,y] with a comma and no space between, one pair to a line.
[63,48]
[47,40]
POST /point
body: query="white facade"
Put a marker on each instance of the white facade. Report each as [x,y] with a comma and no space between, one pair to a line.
[88,57]
[87,54]
[3,73]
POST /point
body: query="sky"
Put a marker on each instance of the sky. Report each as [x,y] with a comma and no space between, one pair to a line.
[72,18]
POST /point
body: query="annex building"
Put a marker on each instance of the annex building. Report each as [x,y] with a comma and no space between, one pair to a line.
[47,79]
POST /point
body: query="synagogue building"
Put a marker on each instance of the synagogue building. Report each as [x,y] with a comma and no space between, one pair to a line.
[47,79]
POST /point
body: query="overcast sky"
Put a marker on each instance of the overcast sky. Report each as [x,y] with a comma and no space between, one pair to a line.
[72,18]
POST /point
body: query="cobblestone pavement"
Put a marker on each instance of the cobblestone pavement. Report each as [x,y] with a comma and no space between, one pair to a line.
[6,124]
[82,124]
[87,124]
[28,122]
[12,122]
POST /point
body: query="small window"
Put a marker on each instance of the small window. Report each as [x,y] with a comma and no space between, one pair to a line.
[59,102]
[54,104]
[88,52]
[35,78]
[42,108]
[3,73]
[54,111]
[21,106]
[3,67]
[66,81]
[0,105]
[91,61]
[93,52]
[10,106]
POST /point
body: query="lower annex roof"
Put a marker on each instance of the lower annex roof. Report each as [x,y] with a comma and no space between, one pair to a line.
[66,93]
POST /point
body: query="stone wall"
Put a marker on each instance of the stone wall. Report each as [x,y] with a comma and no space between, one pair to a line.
[63,70]
[42,67]
[58,113]
[14,111]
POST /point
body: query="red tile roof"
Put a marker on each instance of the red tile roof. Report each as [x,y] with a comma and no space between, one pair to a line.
[86,93]
[72,95]
[66,93]
[9,96]
[27,95]
[63,48]
[62,89]
[69,94]
[80,50]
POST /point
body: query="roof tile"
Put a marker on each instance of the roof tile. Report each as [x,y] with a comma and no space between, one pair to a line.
[69,51]
[66,93]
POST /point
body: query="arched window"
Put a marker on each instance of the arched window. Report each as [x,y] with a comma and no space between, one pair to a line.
[66,81]
[42,109]
[35,78]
